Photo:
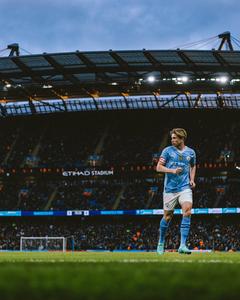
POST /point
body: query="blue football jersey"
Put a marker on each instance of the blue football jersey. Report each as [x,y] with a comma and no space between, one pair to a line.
[172,158]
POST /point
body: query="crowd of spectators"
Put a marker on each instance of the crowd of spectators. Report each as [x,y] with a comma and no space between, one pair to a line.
[110,139]
[89,195]
[129,138]
[107,194]
[118,233]
[115,139]
[30,194]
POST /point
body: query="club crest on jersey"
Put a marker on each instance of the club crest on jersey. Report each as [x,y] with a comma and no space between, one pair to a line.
[188,158]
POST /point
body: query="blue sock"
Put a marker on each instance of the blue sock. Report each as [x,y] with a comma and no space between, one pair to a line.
[163,229]
[185,227]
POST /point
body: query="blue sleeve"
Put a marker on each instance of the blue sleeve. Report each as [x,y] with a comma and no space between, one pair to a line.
[164,155]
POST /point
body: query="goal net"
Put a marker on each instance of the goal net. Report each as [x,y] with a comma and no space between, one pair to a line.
[43,243]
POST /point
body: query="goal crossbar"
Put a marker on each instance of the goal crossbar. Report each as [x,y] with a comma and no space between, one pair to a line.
[44,238]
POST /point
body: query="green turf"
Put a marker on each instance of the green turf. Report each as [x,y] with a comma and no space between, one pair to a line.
[119,276]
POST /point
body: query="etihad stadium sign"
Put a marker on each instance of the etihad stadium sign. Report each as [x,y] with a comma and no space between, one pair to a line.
[86,173]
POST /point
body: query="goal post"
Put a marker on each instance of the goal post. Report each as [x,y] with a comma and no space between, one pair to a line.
[32,243]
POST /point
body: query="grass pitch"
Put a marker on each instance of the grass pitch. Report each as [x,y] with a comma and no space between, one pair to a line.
[119,276]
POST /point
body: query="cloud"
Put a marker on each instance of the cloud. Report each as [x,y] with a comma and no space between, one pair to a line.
[57,25]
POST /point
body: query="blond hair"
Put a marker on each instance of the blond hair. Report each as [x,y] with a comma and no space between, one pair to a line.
[180,132]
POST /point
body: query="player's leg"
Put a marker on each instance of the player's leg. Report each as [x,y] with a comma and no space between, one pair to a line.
[185,200]
[169,202]
[164,223]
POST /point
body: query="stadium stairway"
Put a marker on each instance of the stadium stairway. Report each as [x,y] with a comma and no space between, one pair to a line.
[37,146]
[51,198]
[218,200]
[119,197]
[5,161]
[164,141]
[100,143]
[163,144]
[149,201]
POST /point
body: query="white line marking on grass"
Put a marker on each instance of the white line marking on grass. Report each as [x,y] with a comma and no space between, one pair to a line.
[124,261]
[215,261]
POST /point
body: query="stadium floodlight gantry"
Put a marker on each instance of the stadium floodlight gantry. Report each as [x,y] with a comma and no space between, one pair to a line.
[140,72]
[130,79]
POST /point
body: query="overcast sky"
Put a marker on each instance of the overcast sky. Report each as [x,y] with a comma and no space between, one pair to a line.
[90,25]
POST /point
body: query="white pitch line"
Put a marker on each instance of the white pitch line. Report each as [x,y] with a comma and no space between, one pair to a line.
[133,261]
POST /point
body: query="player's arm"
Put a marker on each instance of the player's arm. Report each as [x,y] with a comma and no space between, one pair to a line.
[161,168]
[193,172]
[161,165]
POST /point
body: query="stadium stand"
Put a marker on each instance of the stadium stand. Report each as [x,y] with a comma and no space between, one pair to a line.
[122,127]
[136,139]
[121,233]
[94,194]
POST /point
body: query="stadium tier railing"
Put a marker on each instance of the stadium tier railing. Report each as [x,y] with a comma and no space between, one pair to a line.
[118,103]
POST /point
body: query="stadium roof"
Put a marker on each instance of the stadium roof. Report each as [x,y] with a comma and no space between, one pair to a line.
[108,73]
